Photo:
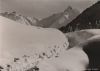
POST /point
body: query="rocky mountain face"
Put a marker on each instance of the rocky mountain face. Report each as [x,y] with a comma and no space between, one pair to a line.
[19,18]
[59,19]
[88,19]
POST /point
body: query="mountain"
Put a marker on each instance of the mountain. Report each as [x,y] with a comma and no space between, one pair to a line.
[19,18]
[88,19]
[59,19]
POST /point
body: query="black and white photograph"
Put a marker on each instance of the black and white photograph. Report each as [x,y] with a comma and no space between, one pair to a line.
[49,35]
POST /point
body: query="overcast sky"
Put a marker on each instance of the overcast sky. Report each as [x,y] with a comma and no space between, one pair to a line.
[42,8]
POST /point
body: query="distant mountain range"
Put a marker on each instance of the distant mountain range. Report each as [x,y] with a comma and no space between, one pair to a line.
[19,18]
[67,21]
[59,19]
[88,19]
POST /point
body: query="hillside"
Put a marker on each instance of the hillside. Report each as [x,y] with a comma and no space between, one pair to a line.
[88,19]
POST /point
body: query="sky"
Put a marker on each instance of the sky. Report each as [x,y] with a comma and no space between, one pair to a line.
[42,8]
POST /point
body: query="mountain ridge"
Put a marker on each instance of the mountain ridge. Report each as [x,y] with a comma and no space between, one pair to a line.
[20,18]
[88,19]
[58,20]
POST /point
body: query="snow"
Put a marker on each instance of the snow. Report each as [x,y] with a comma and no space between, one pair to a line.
[81,36]
[29,42]
[18,39]
[74,59]
[93,31]
[66,16]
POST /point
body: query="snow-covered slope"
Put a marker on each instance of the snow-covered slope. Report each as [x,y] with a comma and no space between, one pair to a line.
[23,47]
[74,59]
[94,31]
[81,36]
[17,40]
